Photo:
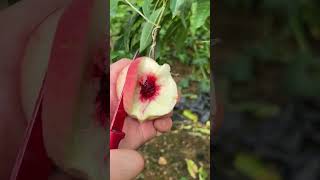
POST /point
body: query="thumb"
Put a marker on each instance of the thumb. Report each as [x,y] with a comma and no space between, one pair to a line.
[125,164]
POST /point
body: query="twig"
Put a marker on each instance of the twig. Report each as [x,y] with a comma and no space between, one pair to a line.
[155,32]
[144,17]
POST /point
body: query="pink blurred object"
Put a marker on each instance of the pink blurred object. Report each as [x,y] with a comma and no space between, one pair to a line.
[32,161]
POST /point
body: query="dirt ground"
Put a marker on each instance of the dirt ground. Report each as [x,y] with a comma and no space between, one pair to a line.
[165,155]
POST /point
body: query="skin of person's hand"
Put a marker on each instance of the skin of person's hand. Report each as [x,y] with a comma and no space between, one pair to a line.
[125,159]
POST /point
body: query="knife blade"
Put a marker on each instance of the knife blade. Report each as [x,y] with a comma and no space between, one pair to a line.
[116,134]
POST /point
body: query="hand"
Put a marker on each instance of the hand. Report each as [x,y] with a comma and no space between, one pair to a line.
[137,133]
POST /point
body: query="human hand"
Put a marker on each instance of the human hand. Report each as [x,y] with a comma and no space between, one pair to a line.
[137,133]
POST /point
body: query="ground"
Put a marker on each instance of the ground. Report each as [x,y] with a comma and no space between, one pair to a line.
[172,149]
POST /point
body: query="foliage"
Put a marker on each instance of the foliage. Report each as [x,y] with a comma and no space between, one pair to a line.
[253,168]
[272,66]
[291,29]
[294,15]
[193,170]
[183,36]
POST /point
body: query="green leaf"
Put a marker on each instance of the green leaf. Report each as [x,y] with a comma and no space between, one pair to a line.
[184,83]
[200,61]
[136,33]
[175,7]
[181,36]
[171,30]
[253,168]
[204,85]
[184,22]
[189,95]
[203,175]
[200,11]
[192,168]
[113,7]
[202,130]
[187,127]
[190,115]
[145,38]
[127,34]
[146,7]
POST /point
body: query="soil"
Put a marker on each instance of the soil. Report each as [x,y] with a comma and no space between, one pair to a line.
[173,148]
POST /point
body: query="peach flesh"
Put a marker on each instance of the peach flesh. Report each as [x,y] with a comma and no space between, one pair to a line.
[149,91]
[149,88]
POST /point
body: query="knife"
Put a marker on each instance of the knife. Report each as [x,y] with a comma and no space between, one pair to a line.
[116,133]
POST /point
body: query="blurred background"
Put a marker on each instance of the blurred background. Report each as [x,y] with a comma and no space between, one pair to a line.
[267,68]
[183,41]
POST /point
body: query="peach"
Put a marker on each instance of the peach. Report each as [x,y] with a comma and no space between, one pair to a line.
[154,92]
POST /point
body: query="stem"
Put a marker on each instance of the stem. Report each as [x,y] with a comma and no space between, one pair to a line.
[144,17]
[203,73]
[204,41]
[155,5]
[156,30]
[164,8]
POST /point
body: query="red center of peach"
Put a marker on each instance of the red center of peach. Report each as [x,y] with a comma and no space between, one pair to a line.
[149,87]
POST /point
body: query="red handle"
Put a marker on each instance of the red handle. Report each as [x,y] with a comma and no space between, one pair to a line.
[115,138]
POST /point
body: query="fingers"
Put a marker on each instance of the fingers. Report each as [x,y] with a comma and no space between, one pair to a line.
[115,69]
[125,164]
[139,133]
[136,133]
[163,125]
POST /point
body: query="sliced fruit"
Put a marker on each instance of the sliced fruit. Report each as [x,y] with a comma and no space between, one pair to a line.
[155,92]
